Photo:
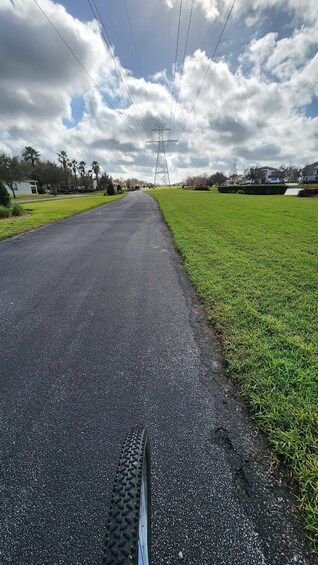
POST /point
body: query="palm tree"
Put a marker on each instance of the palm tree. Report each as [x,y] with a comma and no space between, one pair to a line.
[74,167]
[90,174]
[96,168]
[81,168]
[31,156]
[63,159]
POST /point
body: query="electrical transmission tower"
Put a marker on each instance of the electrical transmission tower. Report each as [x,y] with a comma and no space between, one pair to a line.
[162,173]
[233,170]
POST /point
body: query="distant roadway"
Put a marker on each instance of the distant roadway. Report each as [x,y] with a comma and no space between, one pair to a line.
[100,330]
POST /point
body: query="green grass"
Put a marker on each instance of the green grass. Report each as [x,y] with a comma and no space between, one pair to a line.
[47,196]
[254,263]
[35,196]
[42,213]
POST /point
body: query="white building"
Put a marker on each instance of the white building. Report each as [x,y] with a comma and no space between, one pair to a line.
[26,187]
[311,173]
[268,172]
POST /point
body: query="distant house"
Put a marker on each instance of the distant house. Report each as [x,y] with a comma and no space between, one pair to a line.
[310,173]
[268,173]
[26,187]
[232,179]
[235,179]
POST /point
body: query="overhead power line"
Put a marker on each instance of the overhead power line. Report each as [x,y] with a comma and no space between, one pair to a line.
[175,62]
[84,69]
[208,68]
[107,41]
[133,38]
[168,40]
[182,65]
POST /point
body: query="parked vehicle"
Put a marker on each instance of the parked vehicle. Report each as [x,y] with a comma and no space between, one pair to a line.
[273,180]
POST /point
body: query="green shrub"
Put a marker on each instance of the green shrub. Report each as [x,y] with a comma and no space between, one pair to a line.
[4,195]
[16,209]
[240,191]
[4,212]
[265,189]
[308,192]
[231,189]
[110,190]
[254,189]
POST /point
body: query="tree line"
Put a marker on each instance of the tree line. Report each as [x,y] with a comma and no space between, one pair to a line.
[205,180]
[68,175]
[288,173]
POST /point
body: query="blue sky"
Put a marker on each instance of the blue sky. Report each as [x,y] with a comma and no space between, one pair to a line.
[261,88]
[155,32]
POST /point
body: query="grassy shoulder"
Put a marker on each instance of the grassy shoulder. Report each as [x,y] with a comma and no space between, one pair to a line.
[48,196]
[254,263]
[42,213]
[31,196]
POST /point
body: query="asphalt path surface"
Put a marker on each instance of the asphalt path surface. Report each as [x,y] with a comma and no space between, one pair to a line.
[100,330]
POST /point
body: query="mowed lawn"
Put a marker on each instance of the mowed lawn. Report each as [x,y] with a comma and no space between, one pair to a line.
[254,263]
[42,213]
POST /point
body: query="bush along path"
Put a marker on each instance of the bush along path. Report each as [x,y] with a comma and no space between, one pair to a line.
[253,261]
[7,208]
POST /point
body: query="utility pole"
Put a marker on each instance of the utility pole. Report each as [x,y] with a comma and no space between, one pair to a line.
[161,173]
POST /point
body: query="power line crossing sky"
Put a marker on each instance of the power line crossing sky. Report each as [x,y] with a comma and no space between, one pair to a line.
[260,88]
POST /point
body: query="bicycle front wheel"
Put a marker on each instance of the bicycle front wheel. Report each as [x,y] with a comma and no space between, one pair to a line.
[128,526]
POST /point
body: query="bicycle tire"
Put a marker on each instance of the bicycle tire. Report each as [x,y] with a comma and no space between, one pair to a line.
[128,525]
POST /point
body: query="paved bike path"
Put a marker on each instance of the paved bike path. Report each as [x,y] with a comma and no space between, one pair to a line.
[100,330]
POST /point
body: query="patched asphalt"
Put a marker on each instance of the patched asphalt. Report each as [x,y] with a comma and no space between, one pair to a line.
[101,330]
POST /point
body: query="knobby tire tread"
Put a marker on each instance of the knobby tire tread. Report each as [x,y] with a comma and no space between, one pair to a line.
[121,541]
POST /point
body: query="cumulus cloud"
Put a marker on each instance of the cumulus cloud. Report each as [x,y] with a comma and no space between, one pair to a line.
[250,118]
[33,57]
[169,4]
[210,8]
[282,57]
[306,9]
[251,112]
[39,76]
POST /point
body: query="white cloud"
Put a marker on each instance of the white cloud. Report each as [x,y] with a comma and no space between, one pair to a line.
[253,114]
[252,9]
[209,7]
[292,52]
[282,57]
[39,75]
[261,49]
